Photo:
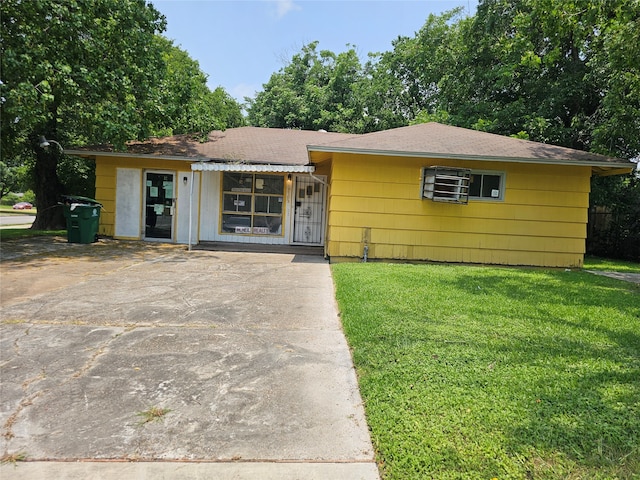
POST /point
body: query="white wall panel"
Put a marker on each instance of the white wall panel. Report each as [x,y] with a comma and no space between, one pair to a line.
[128,203]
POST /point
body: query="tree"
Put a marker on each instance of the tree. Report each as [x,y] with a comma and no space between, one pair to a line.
[316,90]
[555,71]
[186,105]
[227,109]
[11,178]
[74,71]
[404,82]
[615,69]
[616,234]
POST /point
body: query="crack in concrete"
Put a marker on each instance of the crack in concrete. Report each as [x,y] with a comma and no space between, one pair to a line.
[7,432]
[99,351]
[13,418]
[27,383]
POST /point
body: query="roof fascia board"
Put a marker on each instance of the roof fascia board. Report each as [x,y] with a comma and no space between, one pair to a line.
[146,156]
[197,161]
[260,167]
[485,158]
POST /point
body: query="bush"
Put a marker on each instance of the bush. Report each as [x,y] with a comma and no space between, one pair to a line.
[13,198]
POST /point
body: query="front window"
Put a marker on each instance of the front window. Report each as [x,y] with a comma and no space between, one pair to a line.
[252,203]
[486,185]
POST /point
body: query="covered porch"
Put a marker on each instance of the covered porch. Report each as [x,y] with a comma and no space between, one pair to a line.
[257,204]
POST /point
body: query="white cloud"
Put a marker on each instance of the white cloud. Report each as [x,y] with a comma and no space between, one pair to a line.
[285,6]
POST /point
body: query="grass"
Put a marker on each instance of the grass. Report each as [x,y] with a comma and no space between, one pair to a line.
[9,233]
[8,209]
[481,373]
[608,265]
[152,414]
[13,458]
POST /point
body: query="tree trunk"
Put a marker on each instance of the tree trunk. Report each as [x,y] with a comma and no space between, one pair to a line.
[48,190]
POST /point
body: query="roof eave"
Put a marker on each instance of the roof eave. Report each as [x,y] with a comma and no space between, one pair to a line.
[97,153]
[204,163]
[485,158]
[606,171]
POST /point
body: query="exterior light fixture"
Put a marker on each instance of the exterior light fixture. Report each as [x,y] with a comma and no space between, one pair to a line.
[289,178]
[184,179]
[44,143]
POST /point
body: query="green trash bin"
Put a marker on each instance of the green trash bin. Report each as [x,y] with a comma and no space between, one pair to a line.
[83,216]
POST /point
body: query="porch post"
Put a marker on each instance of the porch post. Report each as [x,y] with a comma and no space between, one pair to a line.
[191,206]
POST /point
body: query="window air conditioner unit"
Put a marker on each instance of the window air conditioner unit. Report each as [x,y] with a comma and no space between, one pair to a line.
[446,184]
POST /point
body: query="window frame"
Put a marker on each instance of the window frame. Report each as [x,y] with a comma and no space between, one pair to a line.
[251,214]
[495,173]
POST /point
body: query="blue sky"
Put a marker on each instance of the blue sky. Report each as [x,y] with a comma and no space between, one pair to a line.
[240,43]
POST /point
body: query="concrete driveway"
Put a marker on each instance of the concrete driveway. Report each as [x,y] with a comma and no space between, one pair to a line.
[243,351]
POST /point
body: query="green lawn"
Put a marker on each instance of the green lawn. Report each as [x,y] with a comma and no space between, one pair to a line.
[24,231]
[8,233]
[481,373]
[607,265]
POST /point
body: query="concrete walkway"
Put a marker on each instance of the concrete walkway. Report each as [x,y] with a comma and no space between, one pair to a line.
[627,277]
[241,355]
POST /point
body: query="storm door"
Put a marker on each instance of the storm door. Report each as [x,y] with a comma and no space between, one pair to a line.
[160,202]
[308,221]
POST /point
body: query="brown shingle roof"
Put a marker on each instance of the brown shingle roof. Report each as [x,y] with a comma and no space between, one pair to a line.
[442,141]
[291,147]
[242,145]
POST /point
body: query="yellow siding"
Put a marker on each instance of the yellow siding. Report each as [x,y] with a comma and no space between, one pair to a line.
[542,220]
[106,183]
[106,195]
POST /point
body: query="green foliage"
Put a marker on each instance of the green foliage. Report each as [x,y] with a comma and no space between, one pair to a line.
[74,71]
[474,372]
[227,110]
[616,233]
[90,72]
[78,175]
[615,68]
[186,105]
[555,71]
[405,82]
[12,198]
[314,91]
[81,69]
[13,178]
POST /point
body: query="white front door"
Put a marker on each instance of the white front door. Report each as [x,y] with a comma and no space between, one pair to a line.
[308,221]
[159,208]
